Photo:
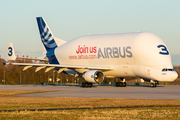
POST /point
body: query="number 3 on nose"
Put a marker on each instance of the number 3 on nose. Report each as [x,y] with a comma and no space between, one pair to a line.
[164,50]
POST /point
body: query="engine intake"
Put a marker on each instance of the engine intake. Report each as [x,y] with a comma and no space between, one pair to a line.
[93,76]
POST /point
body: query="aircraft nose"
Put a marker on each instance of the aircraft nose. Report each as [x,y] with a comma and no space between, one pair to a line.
[174,75]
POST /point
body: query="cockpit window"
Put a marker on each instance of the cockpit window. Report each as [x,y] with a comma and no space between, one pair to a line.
[165,69]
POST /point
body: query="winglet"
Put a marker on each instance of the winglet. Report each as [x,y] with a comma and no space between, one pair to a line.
[10,52]
[6,63]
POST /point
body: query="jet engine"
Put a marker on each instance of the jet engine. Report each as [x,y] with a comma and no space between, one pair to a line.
[93,76]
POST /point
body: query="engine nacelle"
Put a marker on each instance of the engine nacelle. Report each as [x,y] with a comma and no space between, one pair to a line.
[93,76]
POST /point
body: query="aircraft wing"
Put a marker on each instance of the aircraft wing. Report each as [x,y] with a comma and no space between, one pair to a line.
[61,67]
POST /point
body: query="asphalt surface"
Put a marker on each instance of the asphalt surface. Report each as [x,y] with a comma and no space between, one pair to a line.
[168,92]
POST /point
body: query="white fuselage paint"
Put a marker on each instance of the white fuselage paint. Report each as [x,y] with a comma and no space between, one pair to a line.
[129,55]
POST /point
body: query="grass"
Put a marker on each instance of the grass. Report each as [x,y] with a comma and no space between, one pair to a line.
[14,103]
[110,114]
[38,103]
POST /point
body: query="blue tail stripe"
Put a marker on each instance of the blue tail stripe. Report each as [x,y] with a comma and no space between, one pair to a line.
[52,58]
[51,42]
[47,40]
[44,31]
[49,36]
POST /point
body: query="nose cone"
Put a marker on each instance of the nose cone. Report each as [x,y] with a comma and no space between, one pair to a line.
[168,76]
[174,75]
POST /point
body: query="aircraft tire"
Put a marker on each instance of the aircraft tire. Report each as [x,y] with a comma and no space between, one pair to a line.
[153,85]
[90,85]
[83,85]
[121,84]
[117,84]
[86,85]
[124,84]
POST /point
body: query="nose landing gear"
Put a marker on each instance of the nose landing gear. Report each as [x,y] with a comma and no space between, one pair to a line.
[153,83]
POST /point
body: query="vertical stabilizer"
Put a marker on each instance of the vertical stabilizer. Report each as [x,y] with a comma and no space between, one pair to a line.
[46,35]
[10,52]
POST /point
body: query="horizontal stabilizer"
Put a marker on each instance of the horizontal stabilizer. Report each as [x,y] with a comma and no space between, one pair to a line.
[58,41]
[4,63]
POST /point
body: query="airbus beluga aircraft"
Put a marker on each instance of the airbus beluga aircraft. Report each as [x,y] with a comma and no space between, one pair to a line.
[94,57]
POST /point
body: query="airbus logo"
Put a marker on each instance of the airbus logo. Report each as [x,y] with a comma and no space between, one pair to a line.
[115,52]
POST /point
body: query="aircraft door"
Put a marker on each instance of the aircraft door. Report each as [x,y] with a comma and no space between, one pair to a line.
[151,72]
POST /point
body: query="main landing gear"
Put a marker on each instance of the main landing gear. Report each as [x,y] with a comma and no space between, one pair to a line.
[120,84]
[153,85]
[86,85]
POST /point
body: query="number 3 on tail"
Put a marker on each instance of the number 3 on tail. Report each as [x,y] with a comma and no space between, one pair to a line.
[164,50]
[10,51]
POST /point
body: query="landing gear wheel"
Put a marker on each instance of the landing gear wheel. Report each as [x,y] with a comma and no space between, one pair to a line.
[117,84]
[86,85]
[89,84]
[124,84]
[83,85]
[153,85]
[121,84]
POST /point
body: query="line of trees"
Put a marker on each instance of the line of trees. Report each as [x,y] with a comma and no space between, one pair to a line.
[15,75]
[11,74]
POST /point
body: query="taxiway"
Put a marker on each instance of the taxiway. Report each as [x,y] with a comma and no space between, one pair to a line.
[168,92]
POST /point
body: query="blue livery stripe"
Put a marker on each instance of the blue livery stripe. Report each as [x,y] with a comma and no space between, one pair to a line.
[52,58]
[46,35]
[47,39]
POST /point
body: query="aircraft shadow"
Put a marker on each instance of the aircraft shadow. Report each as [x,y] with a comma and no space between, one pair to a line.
[94,86]
[143,86]
[108,85]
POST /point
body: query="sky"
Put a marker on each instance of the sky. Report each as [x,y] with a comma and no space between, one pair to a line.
[69,19]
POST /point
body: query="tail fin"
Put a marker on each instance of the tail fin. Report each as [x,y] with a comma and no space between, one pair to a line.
[10,52]
[59,42]
[46,35]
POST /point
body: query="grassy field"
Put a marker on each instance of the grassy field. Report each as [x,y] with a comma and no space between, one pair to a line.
[110,114]
[14,103]
[38,103]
